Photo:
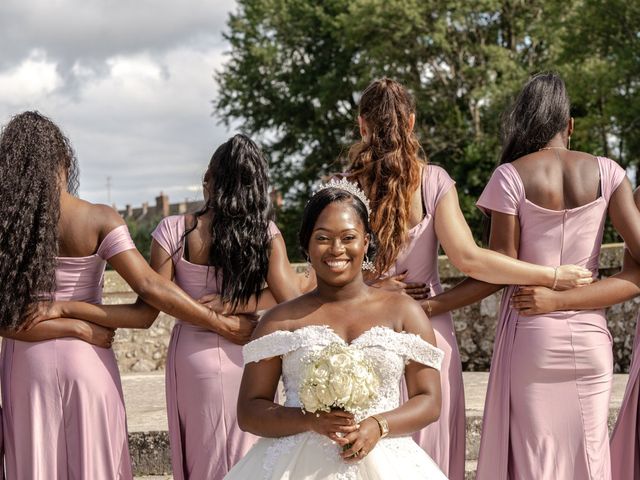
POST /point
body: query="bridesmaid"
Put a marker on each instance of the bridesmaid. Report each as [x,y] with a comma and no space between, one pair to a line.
[547,402]
[228,248]
[625,439]
[64,415]
[414,208]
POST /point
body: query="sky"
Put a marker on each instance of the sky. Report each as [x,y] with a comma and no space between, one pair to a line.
[129,82]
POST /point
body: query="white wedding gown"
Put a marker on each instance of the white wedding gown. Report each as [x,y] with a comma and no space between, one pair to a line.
[310,456]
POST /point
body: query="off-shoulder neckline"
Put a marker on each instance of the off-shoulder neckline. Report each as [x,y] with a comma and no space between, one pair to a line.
[331,331]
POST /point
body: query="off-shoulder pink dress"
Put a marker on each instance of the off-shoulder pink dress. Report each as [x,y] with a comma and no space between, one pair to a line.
[625,440]
[203,376]
[443,440]
[64,415]
[547,402]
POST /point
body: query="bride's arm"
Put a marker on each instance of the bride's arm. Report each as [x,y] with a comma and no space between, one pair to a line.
[260,415]
[423,386]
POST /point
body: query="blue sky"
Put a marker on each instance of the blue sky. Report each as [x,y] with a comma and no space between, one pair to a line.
[130,83]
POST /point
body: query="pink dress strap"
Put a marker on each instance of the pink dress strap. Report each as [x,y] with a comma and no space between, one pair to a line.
[611,176]
[169,233]
[117,241]
[273,230]
[504,192]
[436,182]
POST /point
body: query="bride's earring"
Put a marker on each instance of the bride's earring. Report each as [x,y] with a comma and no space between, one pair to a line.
[307,269]
[569,143]
[367,264]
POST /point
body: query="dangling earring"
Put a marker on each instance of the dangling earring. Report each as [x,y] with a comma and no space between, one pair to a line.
[307,268]
[367,265]
[569,143]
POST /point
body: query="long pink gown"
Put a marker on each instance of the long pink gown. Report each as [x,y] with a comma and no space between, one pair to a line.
[625,440]
[443,440]
[203,376]
[64,415]
[547,402]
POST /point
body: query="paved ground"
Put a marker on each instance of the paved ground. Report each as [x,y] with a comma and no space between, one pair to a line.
[145,399]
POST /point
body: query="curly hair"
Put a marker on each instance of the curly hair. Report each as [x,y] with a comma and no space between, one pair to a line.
[387,165]
[237,183]
[541,110]
[34,154]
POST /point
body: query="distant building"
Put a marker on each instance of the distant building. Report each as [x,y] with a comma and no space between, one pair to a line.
[162,208]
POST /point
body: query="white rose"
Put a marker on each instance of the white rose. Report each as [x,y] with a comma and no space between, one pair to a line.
[321,372]
[325,395]
[341,384]
[361,372]
[309,400]
[360,396]
[339,361]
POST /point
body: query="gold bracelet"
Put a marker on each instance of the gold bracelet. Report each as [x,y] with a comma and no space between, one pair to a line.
[428,309]
[383,425]
[555,278]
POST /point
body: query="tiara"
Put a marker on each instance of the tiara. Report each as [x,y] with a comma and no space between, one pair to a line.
[352,188]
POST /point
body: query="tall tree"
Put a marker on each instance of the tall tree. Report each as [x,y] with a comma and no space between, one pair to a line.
[296,68]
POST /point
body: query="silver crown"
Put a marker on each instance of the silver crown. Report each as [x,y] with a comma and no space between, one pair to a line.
[352,188]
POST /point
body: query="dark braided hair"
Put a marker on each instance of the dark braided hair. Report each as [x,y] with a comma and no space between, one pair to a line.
[237,184]
[34,154]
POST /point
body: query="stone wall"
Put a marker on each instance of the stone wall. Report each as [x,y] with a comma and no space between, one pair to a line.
[145,350]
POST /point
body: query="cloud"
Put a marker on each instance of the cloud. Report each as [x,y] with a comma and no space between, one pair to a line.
[131,84]
[93,30]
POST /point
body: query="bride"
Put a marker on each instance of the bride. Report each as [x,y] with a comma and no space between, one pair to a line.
[389,330]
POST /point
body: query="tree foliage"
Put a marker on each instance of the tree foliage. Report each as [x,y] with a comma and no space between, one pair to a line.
[296,67]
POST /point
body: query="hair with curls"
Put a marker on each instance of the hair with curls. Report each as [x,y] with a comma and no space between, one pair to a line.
[319,202]
[387,164]
[34,153]
[541,110]
[237,183]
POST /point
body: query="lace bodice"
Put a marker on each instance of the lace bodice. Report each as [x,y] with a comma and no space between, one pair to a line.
[387,350]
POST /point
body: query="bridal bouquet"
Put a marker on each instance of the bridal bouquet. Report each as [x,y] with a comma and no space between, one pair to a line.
[338,377]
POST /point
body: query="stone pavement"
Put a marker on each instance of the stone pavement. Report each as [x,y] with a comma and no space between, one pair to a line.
[147,419]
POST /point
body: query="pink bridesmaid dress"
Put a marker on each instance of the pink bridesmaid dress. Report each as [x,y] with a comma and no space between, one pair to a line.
[63,410]
[625,440]
[443,440]
[203,376]
[547,402]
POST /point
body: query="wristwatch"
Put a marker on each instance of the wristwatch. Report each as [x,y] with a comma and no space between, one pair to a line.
[382,424]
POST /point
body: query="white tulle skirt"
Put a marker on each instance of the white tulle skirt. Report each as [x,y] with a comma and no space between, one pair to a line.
[309,456]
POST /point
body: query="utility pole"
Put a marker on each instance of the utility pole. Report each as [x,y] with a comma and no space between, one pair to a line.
[108,190]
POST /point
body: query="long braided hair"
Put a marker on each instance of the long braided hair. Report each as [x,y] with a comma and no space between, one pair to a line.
[237,183]
[34,155]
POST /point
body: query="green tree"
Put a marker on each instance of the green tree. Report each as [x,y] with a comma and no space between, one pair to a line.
[296,68]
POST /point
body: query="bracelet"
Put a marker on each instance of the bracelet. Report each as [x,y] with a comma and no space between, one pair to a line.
[428,304]
[555,278]
[382,425]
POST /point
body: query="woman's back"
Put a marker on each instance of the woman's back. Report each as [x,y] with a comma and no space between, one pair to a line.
[88,236]
[561,206]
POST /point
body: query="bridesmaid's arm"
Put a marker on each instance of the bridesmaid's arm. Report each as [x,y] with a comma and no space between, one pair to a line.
[504,239]
[64,328]
[156,292]
[489,266]
[625,216]
[616,289]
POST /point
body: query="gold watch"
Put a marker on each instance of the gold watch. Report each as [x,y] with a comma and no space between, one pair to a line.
[382,424]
